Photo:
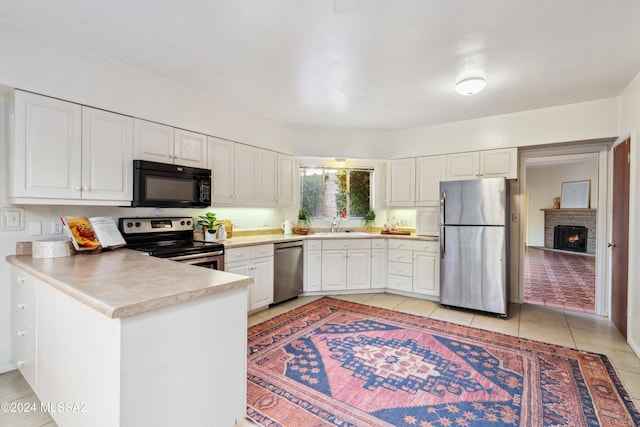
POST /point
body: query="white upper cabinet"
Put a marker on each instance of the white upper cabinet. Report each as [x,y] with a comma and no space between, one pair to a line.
[64,153]
[267,177]
[47,150]
[483,164]
[430,171]
[190,149]
[286,186]
[160,143]
[107,155]
[242,174]
[498,163]
[462,166]
[401,181]
[221,160]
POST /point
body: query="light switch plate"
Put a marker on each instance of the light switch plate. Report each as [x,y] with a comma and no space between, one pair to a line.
[12,218]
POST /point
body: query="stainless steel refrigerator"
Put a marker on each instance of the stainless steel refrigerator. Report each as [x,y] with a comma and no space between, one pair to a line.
[474,244]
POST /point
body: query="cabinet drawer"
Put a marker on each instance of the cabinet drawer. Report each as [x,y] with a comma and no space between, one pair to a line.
[26,363]
[378,243]
[24,281]
[23,304]
[261,251]
[402,283]
[397,255]
[400,268]
[24,336]
[400,244]
[313,245]
[426,246]
[346,244]
[237,254]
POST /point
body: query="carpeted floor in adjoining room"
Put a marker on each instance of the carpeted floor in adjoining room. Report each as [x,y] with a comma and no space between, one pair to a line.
[334,362]
[560,279]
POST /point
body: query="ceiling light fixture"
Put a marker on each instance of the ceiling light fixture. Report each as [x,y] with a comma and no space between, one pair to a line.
[470,86]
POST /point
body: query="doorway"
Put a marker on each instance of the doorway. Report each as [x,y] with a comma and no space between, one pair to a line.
[563,279]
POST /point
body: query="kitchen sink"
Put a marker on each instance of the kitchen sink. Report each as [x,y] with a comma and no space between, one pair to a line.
[342,234]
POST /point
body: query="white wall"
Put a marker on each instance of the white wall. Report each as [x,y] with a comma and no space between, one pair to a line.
[40,64]
[630,125]
[545,182]
[575,122]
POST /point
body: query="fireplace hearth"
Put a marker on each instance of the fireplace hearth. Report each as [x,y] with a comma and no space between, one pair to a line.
[570,238]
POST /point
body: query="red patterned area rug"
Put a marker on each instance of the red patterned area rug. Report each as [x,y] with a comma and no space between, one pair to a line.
[336,363]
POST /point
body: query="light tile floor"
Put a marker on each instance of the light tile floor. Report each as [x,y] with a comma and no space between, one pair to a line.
[573,329]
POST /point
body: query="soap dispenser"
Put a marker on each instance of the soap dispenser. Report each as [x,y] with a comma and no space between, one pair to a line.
[222,233]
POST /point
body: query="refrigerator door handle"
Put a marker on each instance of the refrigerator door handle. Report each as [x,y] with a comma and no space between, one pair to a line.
[442,241]
[443,199]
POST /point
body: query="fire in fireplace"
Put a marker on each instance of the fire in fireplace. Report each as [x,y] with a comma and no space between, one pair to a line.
[570,238]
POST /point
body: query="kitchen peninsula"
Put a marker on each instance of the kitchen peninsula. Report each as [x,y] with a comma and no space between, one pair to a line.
[124,339]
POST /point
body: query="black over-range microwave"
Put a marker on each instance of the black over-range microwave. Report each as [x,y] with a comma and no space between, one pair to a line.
[170,186]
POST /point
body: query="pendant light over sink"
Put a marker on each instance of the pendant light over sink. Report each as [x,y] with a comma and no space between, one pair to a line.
[470,85]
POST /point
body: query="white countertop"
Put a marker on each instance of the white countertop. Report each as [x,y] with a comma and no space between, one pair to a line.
[125,282]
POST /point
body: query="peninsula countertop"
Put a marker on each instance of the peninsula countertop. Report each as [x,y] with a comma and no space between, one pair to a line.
[125,282]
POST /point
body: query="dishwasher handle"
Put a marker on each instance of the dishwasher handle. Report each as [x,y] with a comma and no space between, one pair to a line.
[288,245]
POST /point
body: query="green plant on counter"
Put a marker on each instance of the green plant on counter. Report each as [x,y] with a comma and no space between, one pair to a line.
[369,218]
[208,220]
[304,218]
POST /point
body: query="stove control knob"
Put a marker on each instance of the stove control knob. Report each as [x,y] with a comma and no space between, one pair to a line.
[129,224]
[182,222]
[138,224]
[188,222]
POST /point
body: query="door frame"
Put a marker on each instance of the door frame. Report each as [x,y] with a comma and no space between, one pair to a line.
[601,147]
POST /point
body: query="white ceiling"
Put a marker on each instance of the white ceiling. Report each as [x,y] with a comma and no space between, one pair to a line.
[361,64]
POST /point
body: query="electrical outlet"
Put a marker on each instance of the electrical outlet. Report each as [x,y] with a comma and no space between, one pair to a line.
[56,226]
[265,222]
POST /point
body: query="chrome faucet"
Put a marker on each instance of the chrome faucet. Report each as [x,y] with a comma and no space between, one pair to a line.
[334,224]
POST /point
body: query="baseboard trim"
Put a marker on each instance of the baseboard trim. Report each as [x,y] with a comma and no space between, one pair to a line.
[6,367]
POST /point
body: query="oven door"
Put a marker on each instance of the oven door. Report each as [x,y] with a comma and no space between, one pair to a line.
[212,260]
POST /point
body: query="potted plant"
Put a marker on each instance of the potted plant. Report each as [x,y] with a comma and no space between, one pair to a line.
[208,222]
[369,219]
[304,222]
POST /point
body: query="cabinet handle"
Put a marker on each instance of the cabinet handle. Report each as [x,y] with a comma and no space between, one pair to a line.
[77,188]
[21,306]
[21,333]
[20,279]
[21,363]
[85,188]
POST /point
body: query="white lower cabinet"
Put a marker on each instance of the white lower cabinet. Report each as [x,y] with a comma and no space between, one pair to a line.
[346,264]
[313,266]
[413,266]
[23,325]
[256,262]
[378,263]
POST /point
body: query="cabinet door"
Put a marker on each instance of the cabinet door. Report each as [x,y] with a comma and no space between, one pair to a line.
[107,155]
[359,269]
[334,270]
[286,191]
[246,167]
[48,147]
[262,288]
[429,172]
[499,163]
[378,268]
[425,279]
[462,166]
[313,271]
[401,182]
[427,223]
[241,267]
[221,160]
[152,141]
[190,149]
[267,177]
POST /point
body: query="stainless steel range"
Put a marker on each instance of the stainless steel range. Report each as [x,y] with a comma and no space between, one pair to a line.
[171,238]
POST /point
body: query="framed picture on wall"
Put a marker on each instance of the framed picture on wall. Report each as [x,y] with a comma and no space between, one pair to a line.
[576,195]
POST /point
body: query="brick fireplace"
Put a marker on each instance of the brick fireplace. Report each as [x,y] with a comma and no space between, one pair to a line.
[572,218]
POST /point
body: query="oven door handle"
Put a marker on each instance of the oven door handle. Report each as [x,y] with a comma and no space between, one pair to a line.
[196,256]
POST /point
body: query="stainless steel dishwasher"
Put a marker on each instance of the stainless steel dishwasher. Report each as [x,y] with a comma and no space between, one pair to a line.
[288,266]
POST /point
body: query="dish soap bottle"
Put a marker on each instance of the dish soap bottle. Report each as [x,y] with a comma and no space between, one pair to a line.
[222,233]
